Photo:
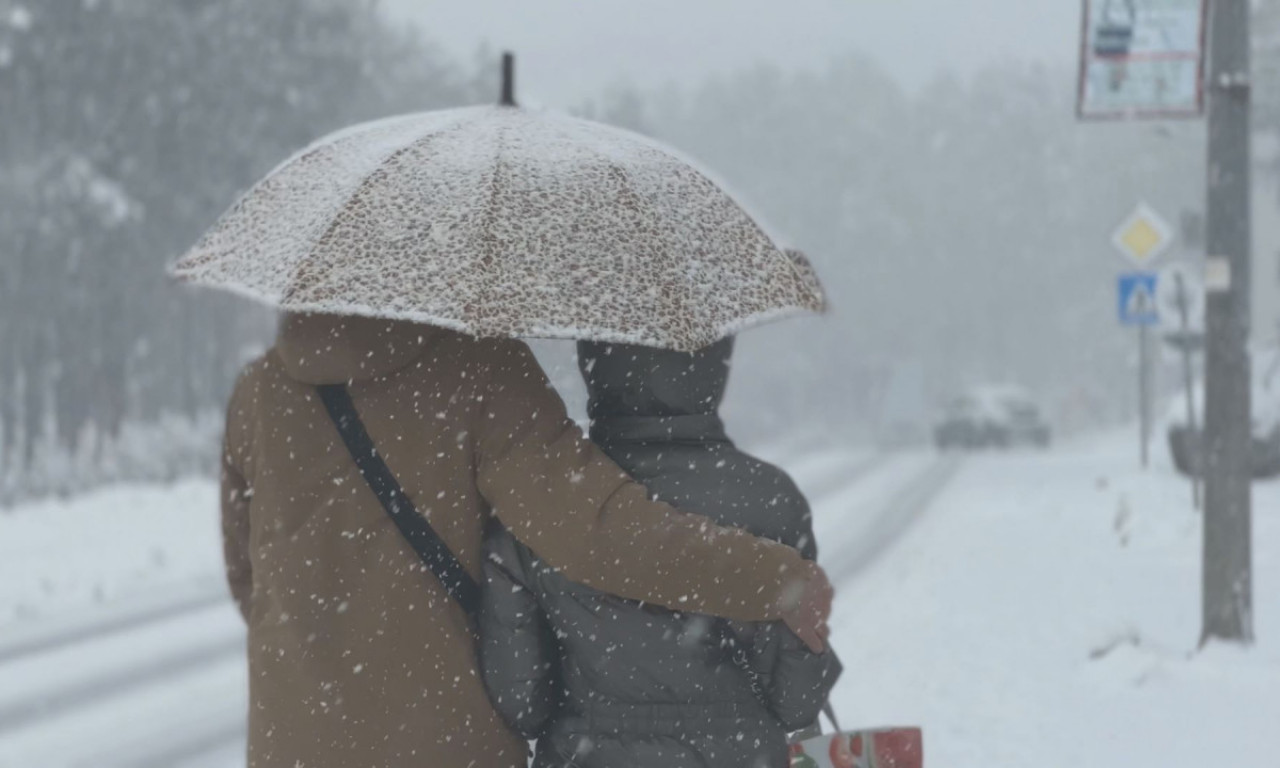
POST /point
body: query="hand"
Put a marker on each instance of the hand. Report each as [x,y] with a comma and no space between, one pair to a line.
[805,612]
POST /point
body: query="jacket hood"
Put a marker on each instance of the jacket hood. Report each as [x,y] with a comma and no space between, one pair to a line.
[334,349]
[627,381]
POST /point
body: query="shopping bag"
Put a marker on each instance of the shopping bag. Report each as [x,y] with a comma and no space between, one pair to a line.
[873,748]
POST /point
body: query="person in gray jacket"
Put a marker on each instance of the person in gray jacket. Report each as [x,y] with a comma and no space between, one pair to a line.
[605,682]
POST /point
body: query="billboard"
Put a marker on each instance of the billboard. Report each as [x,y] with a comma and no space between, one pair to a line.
[1142,59]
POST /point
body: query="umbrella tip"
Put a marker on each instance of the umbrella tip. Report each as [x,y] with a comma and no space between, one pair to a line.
[508,79]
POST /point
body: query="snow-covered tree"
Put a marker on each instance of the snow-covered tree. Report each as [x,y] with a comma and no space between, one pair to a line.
[128,126]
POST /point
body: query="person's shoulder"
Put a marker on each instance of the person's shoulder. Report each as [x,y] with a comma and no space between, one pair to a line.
[254,375]
[774,484]
[266,363]
[255,378]
[772,476]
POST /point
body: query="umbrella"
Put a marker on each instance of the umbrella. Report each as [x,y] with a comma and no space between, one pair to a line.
[504,221]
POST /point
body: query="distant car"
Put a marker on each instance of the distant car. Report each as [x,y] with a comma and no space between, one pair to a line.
[997,417]
[1184,444]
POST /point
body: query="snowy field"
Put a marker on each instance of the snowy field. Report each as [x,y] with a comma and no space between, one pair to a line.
[1044,611]
[1028,610]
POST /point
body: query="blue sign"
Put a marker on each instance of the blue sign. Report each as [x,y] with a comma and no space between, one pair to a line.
[1137,295]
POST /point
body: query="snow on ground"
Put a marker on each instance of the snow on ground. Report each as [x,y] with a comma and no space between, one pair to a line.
[61,556]
[1042,611]
[1045,612]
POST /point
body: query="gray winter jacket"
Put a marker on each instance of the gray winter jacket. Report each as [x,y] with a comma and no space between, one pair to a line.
[602,681]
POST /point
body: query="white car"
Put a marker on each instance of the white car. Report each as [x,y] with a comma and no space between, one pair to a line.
[1184,444]
[992,417]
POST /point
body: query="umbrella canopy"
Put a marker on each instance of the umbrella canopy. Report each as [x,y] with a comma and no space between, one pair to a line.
[501,221]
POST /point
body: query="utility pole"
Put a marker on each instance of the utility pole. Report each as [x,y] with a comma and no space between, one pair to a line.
[1227,585]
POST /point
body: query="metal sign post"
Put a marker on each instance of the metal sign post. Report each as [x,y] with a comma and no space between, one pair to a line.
[1184,324]
[1141,238]
[1136,292]
[1144,392]
[1180,299]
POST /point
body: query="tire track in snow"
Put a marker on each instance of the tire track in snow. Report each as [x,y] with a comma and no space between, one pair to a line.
[842,477]
[204,702]
[895,517]
[23,640]
[199,746]
[113,682]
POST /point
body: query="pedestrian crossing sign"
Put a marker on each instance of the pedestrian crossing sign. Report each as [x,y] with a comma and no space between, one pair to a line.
[1137,294]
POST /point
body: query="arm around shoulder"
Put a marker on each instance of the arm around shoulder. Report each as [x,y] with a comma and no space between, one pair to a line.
[561,496]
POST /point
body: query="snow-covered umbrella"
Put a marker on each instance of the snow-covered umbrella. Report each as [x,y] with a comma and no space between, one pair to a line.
[504,221]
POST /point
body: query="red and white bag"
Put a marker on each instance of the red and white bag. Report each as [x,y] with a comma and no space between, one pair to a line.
[874,748]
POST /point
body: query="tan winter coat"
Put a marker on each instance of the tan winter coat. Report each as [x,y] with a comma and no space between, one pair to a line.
[357,656]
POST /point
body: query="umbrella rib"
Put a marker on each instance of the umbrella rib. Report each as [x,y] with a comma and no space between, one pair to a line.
[801,280]
[328,144]
[365,184]
[488,239]
[681,304]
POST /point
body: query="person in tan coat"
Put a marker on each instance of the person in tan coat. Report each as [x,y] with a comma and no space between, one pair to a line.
[358,658]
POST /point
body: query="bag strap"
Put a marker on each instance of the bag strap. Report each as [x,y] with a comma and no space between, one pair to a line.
[729,640]
[830,712]
[432,550]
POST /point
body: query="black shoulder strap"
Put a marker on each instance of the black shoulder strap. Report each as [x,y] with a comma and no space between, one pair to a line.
[433,551]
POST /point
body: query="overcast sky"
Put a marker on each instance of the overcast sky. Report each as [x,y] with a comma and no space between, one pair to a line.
[570,49]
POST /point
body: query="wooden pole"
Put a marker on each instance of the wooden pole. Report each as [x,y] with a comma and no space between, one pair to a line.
[508,80]
[1227,591]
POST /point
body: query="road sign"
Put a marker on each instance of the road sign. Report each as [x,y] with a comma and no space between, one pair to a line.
[1137,297]
[1142,58]
[1143,236]
[1168,299]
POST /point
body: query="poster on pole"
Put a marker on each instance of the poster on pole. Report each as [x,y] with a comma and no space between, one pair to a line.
[1142,59]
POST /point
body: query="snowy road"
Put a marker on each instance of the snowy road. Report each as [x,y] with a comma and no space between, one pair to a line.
[131,694]
[1034,609]
[158,680]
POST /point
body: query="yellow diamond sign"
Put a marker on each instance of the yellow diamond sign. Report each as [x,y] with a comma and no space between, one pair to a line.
[1143,236]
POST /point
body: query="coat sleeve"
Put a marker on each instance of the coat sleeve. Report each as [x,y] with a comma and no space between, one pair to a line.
[563,498]
[807,544]
[235,499]
[798,681]
[518,653]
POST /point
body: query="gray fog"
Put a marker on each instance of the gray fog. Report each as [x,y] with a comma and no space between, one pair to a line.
[570,50]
